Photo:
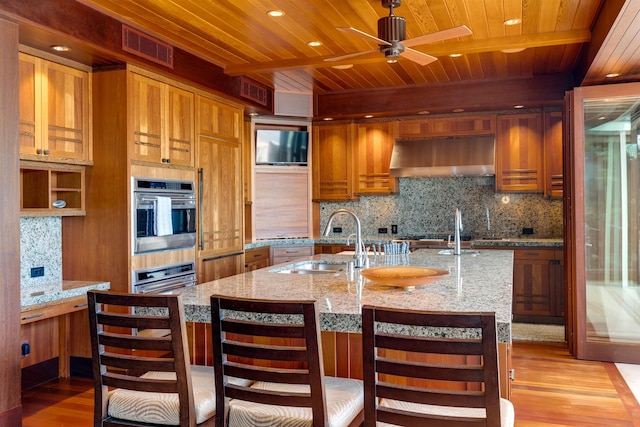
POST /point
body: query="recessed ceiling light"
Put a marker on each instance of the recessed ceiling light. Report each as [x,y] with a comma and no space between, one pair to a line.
[253,114]
[455,55]
[328,118]
[601,118]
[514,50]
[368,116]
[513,21]
[612,75]
[518,106]
[60,48]
[315,43]
[423,112]
[458,110]
[342,67]
[275,13]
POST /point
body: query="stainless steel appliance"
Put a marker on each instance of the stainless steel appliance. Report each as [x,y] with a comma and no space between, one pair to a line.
[164,215]
[165,279]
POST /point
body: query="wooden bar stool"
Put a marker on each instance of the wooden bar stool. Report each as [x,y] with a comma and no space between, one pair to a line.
[145,380]
[275,344]
[412,380]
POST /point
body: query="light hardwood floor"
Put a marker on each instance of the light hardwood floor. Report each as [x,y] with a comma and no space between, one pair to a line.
[551,388]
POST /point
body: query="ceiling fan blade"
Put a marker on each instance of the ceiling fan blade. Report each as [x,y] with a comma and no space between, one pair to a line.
[460,31]
[418,57]
[363,35]
[350,55]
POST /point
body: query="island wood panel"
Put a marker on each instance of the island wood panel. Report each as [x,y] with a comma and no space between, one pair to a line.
[449,126]
[373,148]
[342,354]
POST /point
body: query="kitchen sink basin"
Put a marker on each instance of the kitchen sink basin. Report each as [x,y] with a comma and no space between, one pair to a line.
[462,252]
[315,268]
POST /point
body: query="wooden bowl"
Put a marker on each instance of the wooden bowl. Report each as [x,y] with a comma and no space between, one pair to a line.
[403,276]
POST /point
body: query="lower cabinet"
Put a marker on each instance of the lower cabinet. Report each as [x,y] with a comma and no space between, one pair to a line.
[214,268]
[538,286]
[331,248]
[256,258]
[280,254]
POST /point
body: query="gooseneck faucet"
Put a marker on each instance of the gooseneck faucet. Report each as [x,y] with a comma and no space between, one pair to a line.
[456,234]
[358,257]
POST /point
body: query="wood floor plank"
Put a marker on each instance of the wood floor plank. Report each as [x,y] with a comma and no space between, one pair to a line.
[551,389]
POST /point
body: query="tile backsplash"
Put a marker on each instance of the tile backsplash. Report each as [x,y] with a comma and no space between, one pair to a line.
[40,246]
[425,206]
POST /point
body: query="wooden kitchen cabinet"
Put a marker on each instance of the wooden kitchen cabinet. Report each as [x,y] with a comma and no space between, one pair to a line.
[281,254]
[162,122]
[333,162]
[256,258]
[42,184]
[373,148]
[538,286]
[447,126]
[55,111]
[553,137]
[219,267]
[220,194]
[519,153]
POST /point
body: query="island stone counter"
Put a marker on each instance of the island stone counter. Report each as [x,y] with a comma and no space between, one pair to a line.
[477,282]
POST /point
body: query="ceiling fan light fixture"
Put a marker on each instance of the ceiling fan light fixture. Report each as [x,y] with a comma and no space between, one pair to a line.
[392,60]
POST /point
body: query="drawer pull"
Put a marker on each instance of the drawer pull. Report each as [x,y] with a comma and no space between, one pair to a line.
[84,304]
[33,316]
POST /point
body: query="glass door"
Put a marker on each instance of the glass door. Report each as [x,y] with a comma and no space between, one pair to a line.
[605,198]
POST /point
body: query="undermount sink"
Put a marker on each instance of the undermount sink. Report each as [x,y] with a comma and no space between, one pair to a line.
[462,252]
[315,268]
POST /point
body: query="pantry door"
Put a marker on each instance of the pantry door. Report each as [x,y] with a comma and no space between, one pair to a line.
[605,206]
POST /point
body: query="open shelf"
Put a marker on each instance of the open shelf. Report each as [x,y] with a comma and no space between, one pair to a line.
[41,186]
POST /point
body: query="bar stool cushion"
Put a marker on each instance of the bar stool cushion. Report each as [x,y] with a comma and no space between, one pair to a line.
[344,399]
[507,413]
[162,408]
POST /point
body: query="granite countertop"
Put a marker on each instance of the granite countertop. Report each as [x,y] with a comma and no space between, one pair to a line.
[36,297]
[481,282]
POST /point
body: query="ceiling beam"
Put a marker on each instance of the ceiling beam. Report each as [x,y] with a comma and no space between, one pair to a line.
[440,49]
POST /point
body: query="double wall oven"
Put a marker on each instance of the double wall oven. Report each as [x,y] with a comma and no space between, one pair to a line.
[164,215]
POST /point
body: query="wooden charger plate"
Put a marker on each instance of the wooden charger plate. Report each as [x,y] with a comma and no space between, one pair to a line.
[403,276]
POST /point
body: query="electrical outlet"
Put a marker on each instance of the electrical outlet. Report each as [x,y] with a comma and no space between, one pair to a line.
[25,349]
[382,230]
[37,271]
[337,229]
[394,229]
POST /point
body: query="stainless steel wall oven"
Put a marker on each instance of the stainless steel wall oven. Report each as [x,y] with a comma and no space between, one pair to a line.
[165,279]
[164,215]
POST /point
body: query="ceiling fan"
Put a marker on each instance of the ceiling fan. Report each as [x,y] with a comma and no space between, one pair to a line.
[392,42]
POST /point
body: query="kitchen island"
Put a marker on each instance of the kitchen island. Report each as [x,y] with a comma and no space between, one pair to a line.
[481,281]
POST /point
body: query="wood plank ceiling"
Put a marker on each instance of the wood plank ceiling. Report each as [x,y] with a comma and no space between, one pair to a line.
[239,36]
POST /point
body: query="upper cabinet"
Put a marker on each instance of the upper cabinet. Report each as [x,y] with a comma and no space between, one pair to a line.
[373,147]
[333,162]
[54,112]
[162,122]
[553,133]
[447,126]
[519,153]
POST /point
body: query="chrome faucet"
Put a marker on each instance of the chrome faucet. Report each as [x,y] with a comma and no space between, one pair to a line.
[456,234]
[358,257]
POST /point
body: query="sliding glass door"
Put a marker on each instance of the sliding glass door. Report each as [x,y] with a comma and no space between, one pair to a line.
[605,198]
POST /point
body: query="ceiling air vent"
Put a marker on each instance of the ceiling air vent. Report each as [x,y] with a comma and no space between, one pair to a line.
[140,44]
[252,91]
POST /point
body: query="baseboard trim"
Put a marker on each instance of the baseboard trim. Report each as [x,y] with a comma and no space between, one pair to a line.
[12,417]
[81,367]
[40,373]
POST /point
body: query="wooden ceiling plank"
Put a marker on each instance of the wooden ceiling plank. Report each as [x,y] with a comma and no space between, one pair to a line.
[549,16]
[495,18]
[477,19]
[531,16]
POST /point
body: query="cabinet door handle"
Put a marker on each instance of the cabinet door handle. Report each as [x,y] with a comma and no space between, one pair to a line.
[39,151]
[33,316]
[46,152]
[200,196]
[84,304]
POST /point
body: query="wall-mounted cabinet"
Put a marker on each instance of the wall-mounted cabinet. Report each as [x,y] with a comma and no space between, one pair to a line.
[553,136]
[333,162]
[162,122]
[373,148]
[55,103]
[447,126]
[519,153]
[51,190]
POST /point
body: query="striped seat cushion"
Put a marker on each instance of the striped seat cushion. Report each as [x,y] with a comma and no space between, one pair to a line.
[345,400]
[163,408]
[507,414]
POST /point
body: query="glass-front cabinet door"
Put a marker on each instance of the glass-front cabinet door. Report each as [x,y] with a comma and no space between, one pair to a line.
[605,199]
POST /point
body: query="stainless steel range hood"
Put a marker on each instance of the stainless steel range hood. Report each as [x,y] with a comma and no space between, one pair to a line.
[451,156]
